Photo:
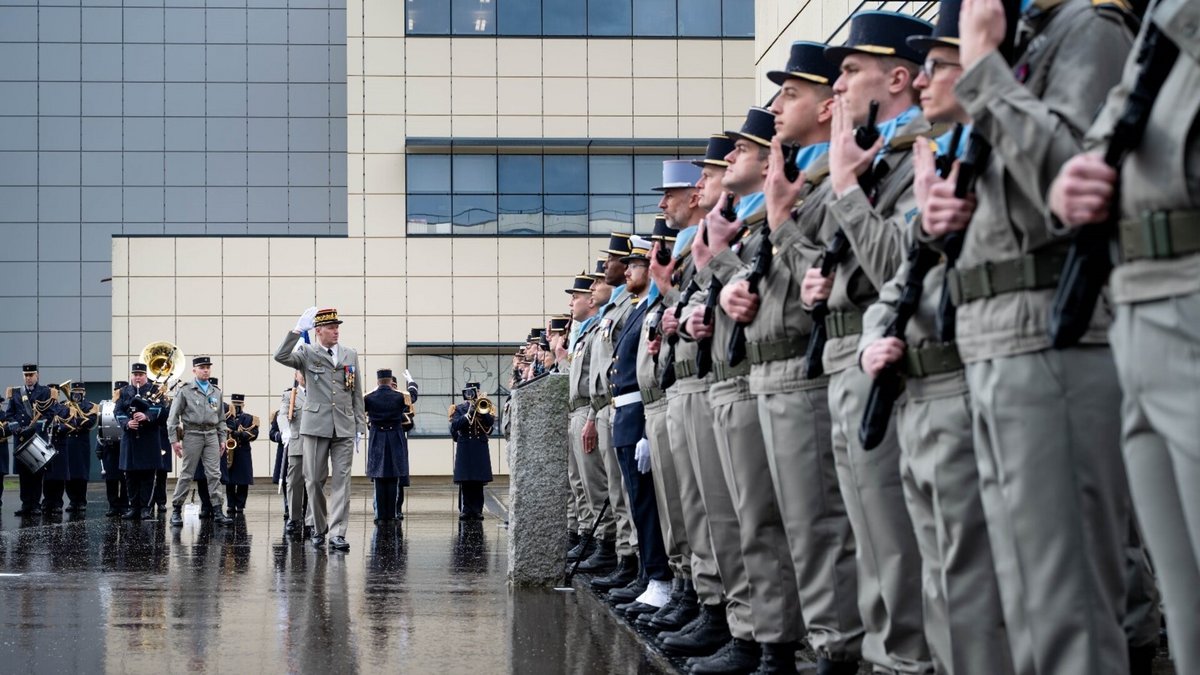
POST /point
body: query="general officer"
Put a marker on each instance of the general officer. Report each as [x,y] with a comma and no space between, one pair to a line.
[24,403]
[333,423]
[469,429]
[237,465]
[197,426]
[109,454]
[140,413]
[389,414]
[1155,293]
[77,429]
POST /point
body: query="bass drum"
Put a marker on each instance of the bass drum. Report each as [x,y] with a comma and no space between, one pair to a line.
[110,431]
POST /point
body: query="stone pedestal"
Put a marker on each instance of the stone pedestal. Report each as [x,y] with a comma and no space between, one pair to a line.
[538,490]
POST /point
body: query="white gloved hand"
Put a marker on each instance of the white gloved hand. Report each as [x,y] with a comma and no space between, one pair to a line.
[641,453]
[408,377]
[358,436]
[307,320]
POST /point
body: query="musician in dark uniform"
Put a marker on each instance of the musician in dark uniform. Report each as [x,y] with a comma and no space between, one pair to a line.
[237,465]
[166,464]
[389,413]
[78,433]
[472,459]
[3,445]
[109,454]
[24,402]
[57,471]
[140,413]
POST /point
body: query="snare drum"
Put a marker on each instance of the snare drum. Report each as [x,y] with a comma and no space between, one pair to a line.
[110,431]
[35,453]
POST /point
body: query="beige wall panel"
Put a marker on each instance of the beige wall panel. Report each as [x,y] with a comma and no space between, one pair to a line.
[473,56]
[382,56]
[386,296]
[371,363]
[354,17]
[554,300]
[429,329]
[655,58]
[432,457]
[473,296]
[428,256]
[356,174]
[354,88]
[354,133]
[245,296]
[200,335]
[656,127]
[476,328]
[514,256]
[738,58]
[151,257]
[610,127]
[153,296]
[428,125]
[610,96]
[245,256]
[243,374]
[381,17]
[386,255]
[292,256]
[120,367]
[519,56]
[198,257]
[522,295]
[384,335]
[279,325]
[383,133]
[655,96]
[739,95]
[473,126]
[429,296]
[473,95]
[340,257]
[198,296]
[700,58]
[385,95]
[120,256]
[426,95]
[563,57]
[146,329]
[385,217]
[343,293]
[427,56]
[519,127]
[291,295]
[567,256]
[120,296]
[354,55]
[475,256]
[352,334]
[565,96]
[519,96]
[564,127]
[384,173]
[700,96]
[610,58]
[514,327]
[120,337]
[354,216]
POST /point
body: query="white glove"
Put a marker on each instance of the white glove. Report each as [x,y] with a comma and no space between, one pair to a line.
[307,320]
[408,377]
[285,432]
[358,436]
[641,453]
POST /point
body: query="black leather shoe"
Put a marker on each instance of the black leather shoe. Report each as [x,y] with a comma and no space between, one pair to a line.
[1141,659]
[113,513]
[573,539]
[830,667]
[177,516]
[635,609]
[308,531]
[290,527]
[339,544]
[318,541]
[737,656]
[28,511]
[160,510]
[705,639]
[700,619]
[627,570]
[602,559]
[682,610]
[580,550]
[627,593]
[52,510]
[221,519]
[777,659]
[132,514]
[205,514]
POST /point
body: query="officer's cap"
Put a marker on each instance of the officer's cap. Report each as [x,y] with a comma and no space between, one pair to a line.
[327,317]
[600,263]
[678,173]
[662,229]
[201,361]
[583,283]
[237,398]
[719,145]
[759,127]
[879,33]
[212,380]
[640,250]
[806,61]
[78,386]
[945,33]
[138,368]
[558,324]
[120,384]
[29,368]
[618,243]
[384,374]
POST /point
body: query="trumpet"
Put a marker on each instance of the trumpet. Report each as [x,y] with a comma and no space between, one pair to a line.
[481,406]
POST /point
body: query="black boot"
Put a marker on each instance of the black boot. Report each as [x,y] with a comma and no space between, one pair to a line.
[686,608]
[629,592]
[700,619]
[221,518]
[1141,659]
[177,516]
[133,513]
[676,593]
[707,638]
[777,659]
[573,539]
[737,656]
[602,559]
[830,667]
[581,550]
[627,570]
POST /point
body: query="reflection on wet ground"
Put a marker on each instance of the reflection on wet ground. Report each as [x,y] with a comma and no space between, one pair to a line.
[92,594]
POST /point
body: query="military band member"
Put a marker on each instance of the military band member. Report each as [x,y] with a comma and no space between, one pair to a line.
[77,429]
[24,403]
[196,424]
[109,453]
[469,429]
[389,414]
[237,464]
[166,464]
[57,470]
[333,423]
[140,413]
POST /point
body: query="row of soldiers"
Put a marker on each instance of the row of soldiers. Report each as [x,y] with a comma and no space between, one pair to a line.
[858,388]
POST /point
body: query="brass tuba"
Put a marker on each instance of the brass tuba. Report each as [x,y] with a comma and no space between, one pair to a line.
[163,360]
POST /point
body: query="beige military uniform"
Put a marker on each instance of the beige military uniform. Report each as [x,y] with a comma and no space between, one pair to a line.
[602,352]
[196,420]
[295,455]
[589,468]
[1045,421]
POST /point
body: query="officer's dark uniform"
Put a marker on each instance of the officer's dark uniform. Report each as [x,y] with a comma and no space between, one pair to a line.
[387,452]
[109,453]
[141,448]
[78,436]
[239,476]
[472,460]
[166,464]
[279,466]
[57,471]
[18,415]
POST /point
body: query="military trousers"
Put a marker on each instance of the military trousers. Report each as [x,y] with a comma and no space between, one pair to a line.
[1055,494]
[666,490]
[774,601]
[796,431]
[644,507]
[964,622]
[593,479]
[889,561]
[627,542]
[319,453]
[297,493]
[1155,347]
[200,448]
[575,497]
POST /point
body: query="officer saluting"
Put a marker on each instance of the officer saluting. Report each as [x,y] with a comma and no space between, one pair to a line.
[139,414]
[390,414]
[469,427]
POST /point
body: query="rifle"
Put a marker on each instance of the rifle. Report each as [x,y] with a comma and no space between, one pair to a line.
[736,351]
[1088,263]
[974,159]
[668,376]
[704,345]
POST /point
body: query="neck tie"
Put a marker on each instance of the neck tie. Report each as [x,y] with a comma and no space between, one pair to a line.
[330,350]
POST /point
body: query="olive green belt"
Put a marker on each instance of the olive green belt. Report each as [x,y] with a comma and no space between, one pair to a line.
[932,359]
[1029,272]
[684,368]
[723,371]
[1155,235]
[842,324]
[598,402]
[577,403]
[776,350]
[653,394]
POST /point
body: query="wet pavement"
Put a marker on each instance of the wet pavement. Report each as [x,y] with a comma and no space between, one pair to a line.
[93,594]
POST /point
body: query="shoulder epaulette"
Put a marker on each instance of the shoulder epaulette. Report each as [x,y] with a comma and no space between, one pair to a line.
[817,177]
[754,219]
[8,393]
[255,418]
[906,141]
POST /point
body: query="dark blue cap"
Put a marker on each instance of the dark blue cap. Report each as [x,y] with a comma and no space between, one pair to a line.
[618,243]
[583,283]
[945,33]
[881,34]
[383,374]
[806,62]
[719,145]
[759,127]
[662,229]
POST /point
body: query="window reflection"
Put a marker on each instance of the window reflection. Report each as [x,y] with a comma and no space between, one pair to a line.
[442,377]
[473,17]
[609,17]
[581,18]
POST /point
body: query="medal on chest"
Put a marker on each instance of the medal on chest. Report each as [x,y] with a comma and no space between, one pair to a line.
[349,377]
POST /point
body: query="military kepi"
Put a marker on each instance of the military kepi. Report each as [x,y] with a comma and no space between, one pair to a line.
[327,317]
[662,229]
[640,250]
[807,61]
[558,324]
[618,243]
[201,361]
[384,374]
[759,127]
[138,368]
[29,368]
[719,145]
[237,398]
[678,173]
[881,34]
[583,283]
[945,33]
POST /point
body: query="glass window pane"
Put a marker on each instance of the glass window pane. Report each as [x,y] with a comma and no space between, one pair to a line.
[474,214]
[610,214]
[645,207]
[474,174]
[565,174]
[519,17]
[608,17]
[739,18]
[479,368]
[432,373]
[654,17]
[427,17]
[564,17]
[428,173]
[430,419]
[473,17]
[566,214]
[701,18]
[520,173]
[647,172]
[429,214]
[610,174]
[520,214]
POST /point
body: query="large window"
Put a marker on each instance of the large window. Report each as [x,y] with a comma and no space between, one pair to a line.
[442,377]
[582,18]
[531,195]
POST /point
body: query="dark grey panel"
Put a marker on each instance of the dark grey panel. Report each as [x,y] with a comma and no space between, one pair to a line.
[226,99]
[268,204]
[308,100]
[226,229]
[58,314]
[144,98]
[267,63]
[58,168]
[337,169]
[97,352]
[58,242]
[58,133]
[184,24]
[58,24]
[307,134]
[185,229]
[226,63]
[185,63]
[308,169]
[143,63]
[337,101]
[19,133]
[143,229]
[226,168]
[184,168]
[314,229]
[18,98]
[337,35]
[21,312]
[143,204]
[18,347]
[185,204]
[102,63]
[308,26]
[337,131]
[308,204]
[267,169]
[338,205]
[101,24]
[185,133]
[308,63]
[143,133]
[20,60]
[57,350]
[225,133]
[18,23]
[267,134]
[58,98]
[58,278]
[184,99]
[101,98]
[101,133]
[96,240]
[143,24]
[225,25]
[90,275]
[58,204]
[101,204]
[20,204]
[20,243]
[268,100]
[142,168]
[267,26]
[18,168]
[226,204]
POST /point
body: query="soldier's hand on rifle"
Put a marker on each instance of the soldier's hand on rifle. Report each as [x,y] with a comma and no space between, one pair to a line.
[178,448]
[943,212]
[738,302]
[981,27]
[781,193]
[668,325]
[815,287]
[661,274]
[847,161]
[700,251]
[720,231]
[880,353]
[697,328]
[590,437]
[1083,191]
[653,346]
[924,171]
